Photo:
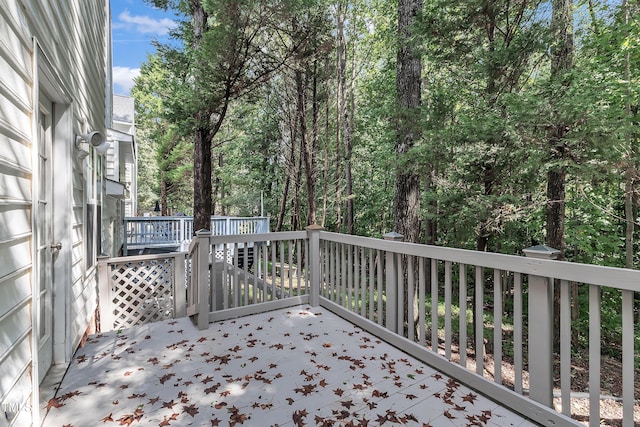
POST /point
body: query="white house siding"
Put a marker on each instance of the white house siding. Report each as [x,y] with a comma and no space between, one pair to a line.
[68,40]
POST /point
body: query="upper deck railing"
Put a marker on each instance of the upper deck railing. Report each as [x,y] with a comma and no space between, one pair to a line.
[176,231]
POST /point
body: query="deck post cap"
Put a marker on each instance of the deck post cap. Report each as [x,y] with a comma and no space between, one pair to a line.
[541,251]
[202,232]
[392,235]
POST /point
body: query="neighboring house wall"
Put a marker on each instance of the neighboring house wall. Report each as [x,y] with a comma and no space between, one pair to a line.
[53,61]
[121,173]
[125,170]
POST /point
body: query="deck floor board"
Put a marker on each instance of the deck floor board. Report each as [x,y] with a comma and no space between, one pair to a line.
[290,367]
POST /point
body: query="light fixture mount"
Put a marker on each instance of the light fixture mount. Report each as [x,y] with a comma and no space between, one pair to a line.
[96,139]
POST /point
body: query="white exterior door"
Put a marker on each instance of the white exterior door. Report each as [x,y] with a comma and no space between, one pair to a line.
[43,237]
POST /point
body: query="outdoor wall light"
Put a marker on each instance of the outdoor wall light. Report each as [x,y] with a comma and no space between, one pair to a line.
[94,138]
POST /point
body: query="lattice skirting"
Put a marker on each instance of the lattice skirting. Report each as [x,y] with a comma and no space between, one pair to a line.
[142,291]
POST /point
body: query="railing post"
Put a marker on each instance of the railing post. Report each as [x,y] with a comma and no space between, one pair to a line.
[104,296]
[541,329]
[179,289]
[203,278]
[313,234]
[391,284]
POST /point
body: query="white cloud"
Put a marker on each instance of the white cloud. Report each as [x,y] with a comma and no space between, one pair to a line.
[123,78]
[146,25]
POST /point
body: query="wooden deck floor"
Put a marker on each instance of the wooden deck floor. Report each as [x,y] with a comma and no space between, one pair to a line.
[294,367]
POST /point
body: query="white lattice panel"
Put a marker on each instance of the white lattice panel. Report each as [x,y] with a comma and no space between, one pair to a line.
[142,291]
[220,254]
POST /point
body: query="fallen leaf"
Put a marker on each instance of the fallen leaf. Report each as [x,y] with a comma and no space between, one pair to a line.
[191,410]
[169,404]
[54,403]
[471,398]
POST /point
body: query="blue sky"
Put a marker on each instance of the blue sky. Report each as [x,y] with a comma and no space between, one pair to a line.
[135,25]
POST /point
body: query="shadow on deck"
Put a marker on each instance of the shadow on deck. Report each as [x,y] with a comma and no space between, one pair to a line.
[290,367]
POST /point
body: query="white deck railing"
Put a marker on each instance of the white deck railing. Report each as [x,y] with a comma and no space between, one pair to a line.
[372,281]
[177,231]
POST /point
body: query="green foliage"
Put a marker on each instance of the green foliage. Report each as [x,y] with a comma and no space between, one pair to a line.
[490,104]
[164,156]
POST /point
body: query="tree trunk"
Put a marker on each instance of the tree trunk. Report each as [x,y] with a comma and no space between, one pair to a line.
[325,171]
[163,194]
[283,203]
[340,106]
[406,203]
[343,6]
[431,222]
[202,180]
[305,146]
[296,217]
[561,64]
[202,205]
[630,171]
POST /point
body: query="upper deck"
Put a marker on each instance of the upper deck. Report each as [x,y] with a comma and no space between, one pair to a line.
[173,233]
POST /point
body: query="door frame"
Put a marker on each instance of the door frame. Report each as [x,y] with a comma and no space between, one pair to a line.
[47,81]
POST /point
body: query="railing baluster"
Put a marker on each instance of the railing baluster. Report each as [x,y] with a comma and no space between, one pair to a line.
[299,270]
[447,309]
[332,271]
[257,247]
[356,279]
[411,328]
[517,331]
[331,281]
[235,284]
[343,276]
[462,316]
[225,275]
[434,305]
[372,276]
[565,347]
[380,268]
[628,356]
[350,277]
[479,312]
[265,268]
[363,281]
[290,261]
[497,326]
[421,302]
[307,249]
[400,309]
[595,300]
